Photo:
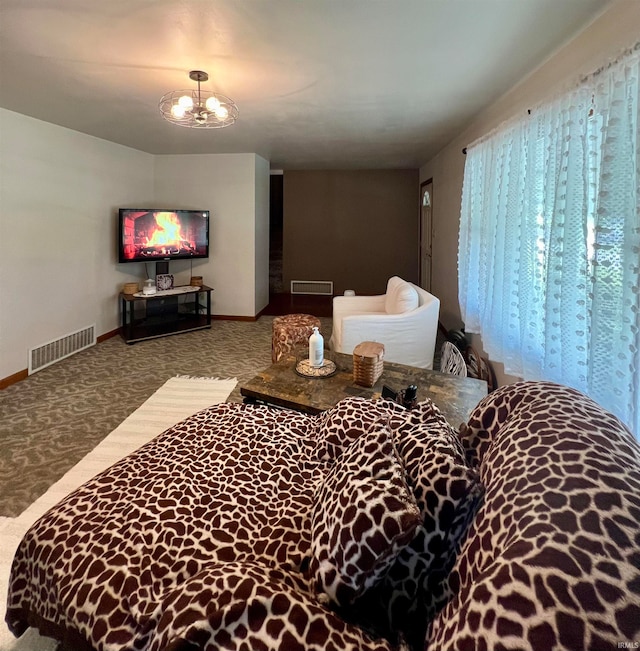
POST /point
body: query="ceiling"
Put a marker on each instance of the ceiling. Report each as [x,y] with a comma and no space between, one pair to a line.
[320,84]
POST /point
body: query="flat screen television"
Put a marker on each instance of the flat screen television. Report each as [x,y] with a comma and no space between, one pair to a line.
[150,235]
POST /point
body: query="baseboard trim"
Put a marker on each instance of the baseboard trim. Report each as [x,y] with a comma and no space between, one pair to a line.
[231,317]
[12,379]
[107,335]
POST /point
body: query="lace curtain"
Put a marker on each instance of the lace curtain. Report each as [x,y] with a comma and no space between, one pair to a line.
[549,248]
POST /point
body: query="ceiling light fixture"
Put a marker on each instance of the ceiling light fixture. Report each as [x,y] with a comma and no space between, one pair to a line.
[198,109]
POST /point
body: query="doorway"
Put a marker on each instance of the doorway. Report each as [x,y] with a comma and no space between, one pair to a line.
[426,233]
[275,233]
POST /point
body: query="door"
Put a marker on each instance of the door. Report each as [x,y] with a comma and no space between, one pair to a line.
[426,203]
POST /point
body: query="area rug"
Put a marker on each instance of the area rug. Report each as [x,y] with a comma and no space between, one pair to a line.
[174,401]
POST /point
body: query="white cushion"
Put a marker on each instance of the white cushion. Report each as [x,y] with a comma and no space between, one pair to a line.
[401,297]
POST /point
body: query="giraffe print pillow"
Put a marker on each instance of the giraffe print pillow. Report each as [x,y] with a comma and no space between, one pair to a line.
[448,494]
[363,514]
[337,427]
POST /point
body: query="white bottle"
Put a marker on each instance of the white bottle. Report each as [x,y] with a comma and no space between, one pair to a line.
[316,348]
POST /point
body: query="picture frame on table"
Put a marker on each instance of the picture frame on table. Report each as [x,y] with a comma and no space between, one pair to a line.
[164,281]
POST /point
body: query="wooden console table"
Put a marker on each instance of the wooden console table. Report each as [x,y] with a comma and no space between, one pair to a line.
[282,386]
[164,313]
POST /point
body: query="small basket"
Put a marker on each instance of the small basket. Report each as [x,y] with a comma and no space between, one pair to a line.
[130,288]
[367,363]
[196,281]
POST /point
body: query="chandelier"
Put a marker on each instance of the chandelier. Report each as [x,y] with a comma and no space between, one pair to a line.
[198,109]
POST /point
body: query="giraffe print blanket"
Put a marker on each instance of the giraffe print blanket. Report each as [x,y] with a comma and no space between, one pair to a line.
[214,535]
[367,527]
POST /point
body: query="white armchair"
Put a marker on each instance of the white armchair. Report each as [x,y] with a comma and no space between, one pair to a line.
[405,320]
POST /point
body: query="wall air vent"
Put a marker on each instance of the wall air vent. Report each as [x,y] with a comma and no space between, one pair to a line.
[318,287]
[53,351]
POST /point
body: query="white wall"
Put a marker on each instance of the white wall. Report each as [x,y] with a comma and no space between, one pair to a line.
[616,29]
[59,193]
[227,185]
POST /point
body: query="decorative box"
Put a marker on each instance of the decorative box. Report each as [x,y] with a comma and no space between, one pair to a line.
[130,288]
[367,363]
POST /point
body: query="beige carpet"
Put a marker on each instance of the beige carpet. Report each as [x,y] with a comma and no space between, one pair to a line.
[56,416]
[177,399]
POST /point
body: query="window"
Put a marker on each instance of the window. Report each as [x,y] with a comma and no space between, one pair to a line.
[549,250]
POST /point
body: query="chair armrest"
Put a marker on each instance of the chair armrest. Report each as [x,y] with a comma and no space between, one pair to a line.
[357,304]
[345,306]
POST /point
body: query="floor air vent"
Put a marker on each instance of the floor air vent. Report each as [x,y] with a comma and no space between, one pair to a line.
[320,287]
[49,353]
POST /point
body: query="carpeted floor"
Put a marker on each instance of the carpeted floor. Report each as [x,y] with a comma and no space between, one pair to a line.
[56,416]
[176,399]
[51,420]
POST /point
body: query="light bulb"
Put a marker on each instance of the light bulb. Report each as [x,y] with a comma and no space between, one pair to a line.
[186,102]
[177,111]
[212,103]
[221,112]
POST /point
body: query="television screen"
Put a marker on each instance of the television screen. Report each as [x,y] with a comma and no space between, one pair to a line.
[147,235]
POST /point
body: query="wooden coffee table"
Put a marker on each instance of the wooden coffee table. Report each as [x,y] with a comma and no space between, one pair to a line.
[282,386]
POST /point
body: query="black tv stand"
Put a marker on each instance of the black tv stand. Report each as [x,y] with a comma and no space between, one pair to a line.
[162,314]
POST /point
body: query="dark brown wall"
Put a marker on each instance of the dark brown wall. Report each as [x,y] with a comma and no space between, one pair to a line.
[356,228]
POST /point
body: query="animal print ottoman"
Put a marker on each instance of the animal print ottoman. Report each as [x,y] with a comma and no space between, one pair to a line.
[290,330]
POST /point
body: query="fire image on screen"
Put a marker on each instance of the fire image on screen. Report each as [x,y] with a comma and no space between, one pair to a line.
[159,234]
